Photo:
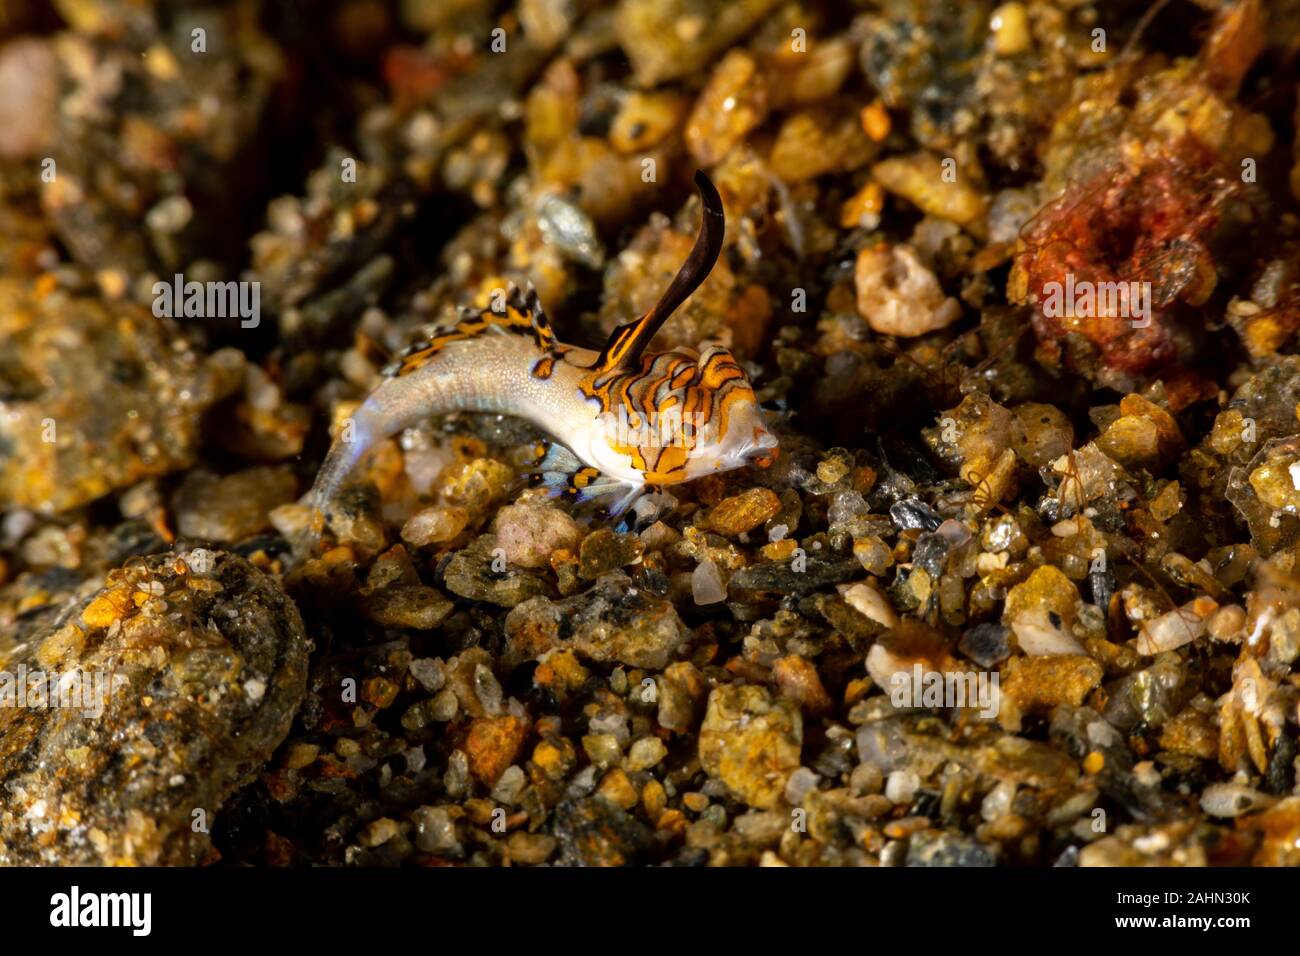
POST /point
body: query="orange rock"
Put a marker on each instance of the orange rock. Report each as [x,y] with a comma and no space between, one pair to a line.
[106,609]
[744,512]
[618,789]
[798,679]
[875,120]
[493,743]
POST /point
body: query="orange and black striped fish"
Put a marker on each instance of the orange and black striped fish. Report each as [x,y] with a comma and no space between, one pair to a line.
[622,420]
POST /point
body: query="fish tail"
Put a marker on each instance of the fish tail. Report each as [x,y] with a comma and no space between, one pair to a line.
[354,440]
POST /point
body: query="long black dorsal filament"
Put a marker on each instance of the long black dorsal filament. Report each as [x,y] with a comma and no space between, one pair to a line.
[629,341]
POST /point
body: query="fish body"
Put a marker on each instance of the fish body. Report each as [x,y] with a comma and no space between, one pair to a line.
[627,419]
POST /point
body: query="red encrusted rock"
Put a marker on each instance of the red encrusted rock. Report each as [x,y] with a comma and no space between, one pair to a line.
[1148,224]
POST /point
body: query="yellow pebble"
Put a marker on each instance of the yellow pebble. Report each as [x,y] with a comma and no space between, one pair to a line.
[779,550]
[104,610]
[654,798]
[618,789]
[875,121]
[1010,26]
[863,207]
[1093,762]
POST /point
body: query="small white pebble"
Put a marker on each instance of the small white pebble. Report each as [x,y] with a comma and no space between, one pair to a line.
[706,583]
[1232,799]
[870,603]
[1102,734]
[415,759]
[200,560]
[646,753]
[901,786]
[1145,773]
[997,802]
[510,786]
[799,784]
[1067,528]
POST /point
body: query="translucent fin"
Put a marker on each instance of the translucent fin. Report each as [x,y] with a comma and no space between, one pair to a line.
[557,459]
[563,475]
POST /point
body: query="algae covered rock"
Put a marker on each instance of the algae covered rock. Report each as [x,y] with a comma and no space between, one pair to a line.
[751,742]
[612,622]
[141,707]
[97,397]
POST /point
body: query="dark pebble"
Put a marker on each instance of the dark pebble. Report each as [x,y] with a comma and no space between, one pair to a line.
[986,644]
[914,513]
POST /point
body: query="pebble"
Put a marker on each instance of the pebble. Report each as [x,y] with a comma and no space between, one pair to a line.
[1034,685]
[744,512]
[666,42]
[530,849]
[1010,27]
[871,603]
[613,622]
[898,295]
[874,555]
[617,788]
[530,532]
[751,742]
[1226,623]
[646,753]
[997,802]
[919,178]
[986,644]
[378,832]
[603,750]
[435,832]
[901,787]
[394,595]
[430,672]
[437,525]
[1041,612]
[509,786]
[592,831]
[604,551]
[492,745]
[443,707]
[471,573]
[1175,628]
[29,76]
[63,450]
[706,583]
[789,577]
[800,783]
[177,732]
[928,848]
[914,513]
[1233,799]
[681,690]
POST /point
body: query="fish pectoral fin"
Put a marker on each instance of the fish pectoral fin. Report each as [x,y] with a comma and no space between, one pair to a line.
[554,458]
[584,486]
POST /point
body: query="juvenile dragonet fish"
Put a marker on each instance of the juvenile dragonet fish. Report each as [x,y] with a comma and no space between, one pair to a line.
[621,420]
